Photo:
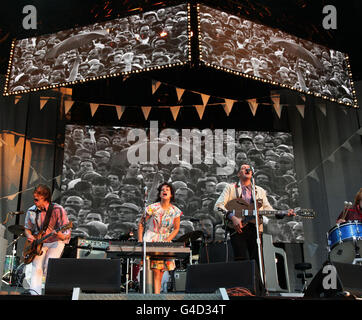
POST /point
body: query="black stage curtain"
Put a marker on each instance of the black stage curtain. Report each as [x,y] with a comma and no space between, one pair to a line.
[328,153]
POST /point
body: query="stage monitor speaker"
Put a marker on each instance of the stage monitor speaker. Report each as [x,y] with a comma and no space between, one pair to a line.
[91,275]
[207,278]
[180,280]
[348,281]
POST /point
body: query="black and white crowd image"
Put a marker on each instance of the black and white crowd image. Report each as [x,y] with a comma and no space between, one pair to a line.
[241,45]
[108,178]
[154,38]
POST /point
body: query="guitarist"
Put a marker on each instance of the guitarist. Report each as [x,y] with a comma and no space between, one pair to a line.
[42,219]
[243,237]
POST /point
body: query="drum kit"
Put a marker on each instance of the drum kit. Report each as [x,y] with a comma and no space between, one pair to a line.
[344,241]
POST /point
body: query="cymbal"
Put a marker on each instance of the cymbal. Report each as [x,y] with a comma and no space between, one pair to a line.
[191,236]
[16,229]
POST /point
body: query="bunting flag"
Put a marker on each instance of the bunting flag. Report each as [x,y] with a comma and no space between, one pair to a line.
[12,196]
[155,85]
[276,104]
[253,105]
[120,110]
[94,107]
[313,175]
[300,108]
[58,180]
[56,194]
[322,108]
[303,97]
[68,104]
[347,145]
[205,98]
[43,101]
[228,105]
[146,111]
[17,99]
[34,177]
[175,110]
[200,110]
[179,92]
[332,158]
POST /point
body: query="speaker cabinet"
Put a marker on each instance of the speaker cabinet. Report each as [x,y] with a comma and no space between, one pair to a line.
[91,275]
[336,280]
[207,278]
[180,280]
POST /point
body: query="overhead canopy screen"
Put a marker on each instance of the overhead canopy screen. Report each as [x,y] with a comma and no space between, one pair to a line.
[270,55]
[135,43]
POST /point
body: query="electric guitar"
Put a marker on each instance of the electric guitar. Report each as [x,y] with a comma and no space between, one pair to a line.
[34,248]
[246,212]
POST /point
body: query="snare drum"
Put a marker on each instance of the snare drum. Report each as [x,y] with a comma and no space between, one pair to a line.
[342,240]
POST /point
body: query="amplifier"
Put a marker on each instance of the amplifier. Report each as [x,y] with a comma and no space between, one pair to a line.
[91,243]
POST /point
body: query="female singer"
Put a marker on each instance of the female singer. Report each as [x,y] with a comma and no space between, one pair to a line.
[161,223]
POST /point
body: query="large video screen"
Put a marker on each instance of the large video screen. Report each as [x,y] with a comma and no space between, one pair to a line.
[138,42]
[271,55]
[111,173]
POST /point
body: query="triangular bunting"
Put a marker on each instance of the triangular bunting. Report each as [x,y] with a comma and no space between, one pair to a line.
[120,110]
[276,104]
[347,146]
[94,107]
[314,175]
[228,105]
[12,196]
[43,101]
[17,99]
[146,111]
[303,97]
[155,85]
[253,105]
[300,108]
[179,92]
[200,110]
[56,194]
[34,177]
[322,108]
[58,180]
[68,104]
[332,158]
[205,98]
[175,110]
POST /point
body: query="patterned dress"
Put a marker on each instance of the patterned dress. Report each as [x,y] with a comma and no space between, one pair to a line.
[158,228]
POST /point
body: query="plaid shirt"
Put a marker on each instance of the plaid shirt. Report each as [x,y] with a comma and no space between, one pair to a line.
[353,214]
[34,220]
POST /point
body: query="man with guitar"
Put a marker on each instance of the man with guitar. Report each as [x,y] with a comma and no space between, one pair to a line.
[235,198]
[47,229]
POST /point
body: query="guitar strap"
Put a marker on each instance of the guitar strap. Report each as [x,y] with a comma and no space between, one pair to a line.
[47,217]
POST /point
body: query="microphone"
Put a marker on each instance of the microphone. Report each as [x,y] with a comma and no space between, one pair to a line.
[146,190]
[16,212]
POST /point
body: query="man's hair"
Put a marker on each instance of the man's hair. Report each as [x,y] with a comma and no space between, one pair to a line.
[44,191]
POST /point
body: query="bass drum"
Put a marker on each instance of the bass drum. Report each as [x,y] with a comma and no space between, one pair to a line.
[342,241]
[22,275]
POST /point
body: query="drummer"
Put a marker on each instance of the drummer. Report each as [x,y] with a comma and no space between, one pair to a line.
[354,213]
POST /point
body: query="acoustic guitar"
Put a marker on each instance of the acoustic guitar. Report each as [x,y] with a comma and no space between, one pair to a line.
[246,212]
[34,248]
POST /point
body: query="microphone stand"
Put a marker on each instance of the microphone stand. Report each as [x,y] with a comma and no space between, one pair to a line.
[258,241]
